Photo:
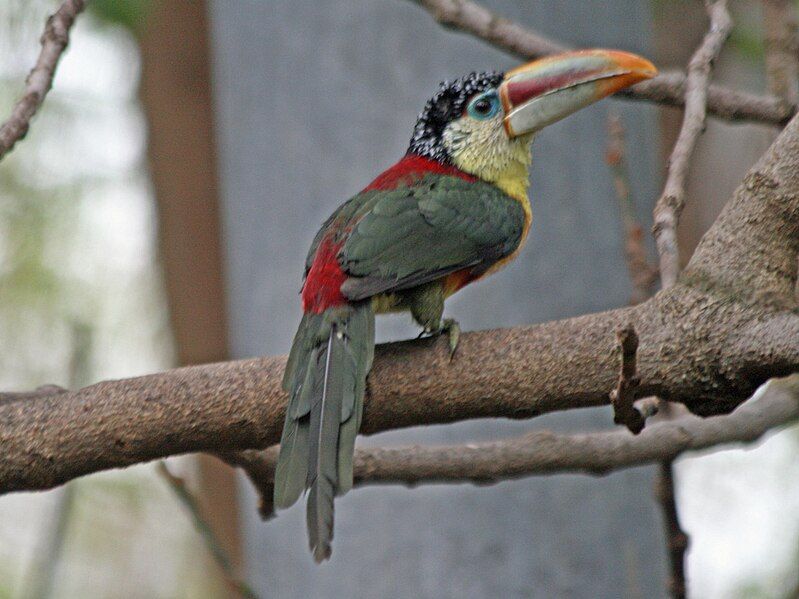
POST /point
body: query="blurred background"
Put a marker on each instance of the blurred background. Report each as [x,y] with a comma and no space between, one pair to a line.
[159,213]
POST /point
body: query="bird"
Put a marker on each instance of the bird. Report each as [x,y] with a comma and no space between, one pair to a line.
[451,211]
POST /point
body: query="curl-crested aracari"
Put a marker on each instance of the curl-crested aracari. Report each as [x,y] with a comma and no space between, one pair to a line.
[451,211]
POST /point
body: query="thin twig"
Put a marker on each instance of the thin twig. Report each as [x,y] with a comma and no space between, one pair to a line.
[543,453]
[623,396]
[667,88]
[39,81]
[50,550]
[642,274]
[216,549]
[260,472]
[676,538]
[671,203]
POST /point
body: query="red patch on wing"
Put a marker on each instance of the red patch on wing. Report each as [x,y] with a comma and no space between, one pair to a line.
[322,288]
[412,168]
[457,280]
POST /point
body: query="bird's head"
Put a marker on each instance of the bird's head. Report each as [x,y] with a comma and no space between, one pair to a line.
[483,123]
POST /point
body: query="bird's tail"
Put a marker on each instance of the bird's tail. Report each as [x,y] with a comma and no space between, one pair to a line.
[325,378]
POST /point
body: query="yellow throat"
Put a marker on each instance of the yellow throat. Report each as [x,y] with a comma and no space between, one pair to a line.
[484,150]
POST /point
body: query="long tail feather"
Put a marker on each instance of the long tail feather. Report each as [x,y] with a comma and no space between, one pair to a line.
[326,379]
[322,469]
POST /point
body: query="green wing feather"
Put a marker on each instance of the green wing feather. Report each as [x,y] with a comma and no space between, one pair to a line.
[414,235]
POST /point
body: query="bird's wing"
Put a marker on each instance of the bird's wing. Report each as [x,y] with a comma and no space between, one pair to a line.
[416,234]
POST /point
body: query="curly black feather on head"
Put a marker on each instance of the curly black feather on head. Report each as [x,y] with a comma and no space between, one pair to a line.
[443,108]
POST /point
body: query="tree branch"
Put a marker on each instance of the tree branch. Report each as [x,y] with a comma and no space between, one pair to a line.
[666,88]
[39,81]
[212,543]
[671,203]
[676,538]
[544,453]
[624,395]
[642,274]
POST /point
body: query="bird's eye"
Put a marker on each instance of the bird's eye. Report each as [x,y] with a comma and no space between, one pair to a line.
[484,106]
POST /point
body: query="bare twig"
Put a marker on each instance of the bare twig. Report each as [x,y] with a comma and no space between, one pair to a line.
[676,538]
[543,453]
[623,396]
[670,204]
[261,473]
[48,554]
[216,549]
[642,274]
[39,81]
[667,88]
[473,18]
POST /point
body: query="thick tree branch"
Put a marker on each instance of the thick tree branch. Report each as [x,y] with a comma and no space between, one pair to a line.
[39,81]
[671,203]
[757,264]
[667,88]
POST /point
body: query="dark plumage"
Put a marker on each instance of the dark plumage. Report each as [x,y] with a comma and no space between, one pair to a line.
[444,107]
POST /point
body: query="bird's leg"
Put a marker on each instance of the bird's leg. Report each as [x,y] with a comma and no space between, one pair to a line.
[451,327]
[427,308]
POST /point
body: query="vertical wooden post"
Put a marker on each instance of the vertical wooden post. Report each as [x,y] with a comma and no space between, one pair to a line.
[177,97]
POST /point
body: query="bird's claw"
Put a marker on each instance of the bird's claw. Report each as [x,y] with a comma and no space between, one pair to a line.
[448,326]
[451,327]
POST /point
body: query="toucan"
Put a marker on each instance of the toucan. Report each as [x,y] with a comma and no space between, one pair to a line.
[453,210]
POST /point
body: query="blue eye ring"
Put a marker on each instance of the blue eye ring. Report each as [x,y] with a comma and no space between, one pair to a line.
[484,106]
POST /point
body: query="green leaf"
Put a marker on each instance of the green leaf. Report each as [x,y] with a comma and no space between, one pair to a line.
[128,13]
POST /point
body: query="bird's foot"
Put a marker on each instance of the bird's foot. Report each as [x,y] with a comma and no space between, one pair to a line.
[451,328]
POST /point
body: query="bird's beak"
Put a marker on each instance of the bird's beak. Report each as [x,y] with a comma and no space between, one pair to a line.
[541,92]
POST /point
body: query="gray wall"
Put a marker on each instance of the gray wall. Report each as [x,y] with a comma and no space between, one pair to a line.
[313,100]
